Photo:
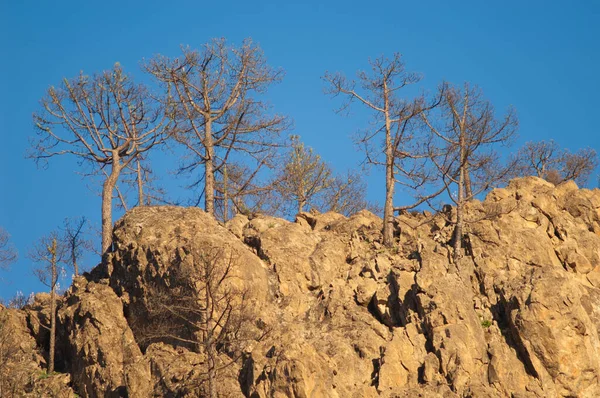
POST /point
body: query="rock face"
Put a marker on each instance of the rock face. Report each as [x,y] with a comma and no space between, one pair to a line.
[98,347]
[328,311]
[22,365]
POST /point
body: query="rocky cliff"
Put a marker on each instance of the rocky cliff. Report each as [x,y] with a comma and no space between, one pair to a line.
[323,309]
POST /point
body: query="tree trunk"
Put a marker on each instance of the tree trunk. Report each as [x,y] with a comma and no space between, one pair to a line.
[458,229]
[140,183]
[107,192]
[301,204]
[210,324]
[74,257]
[388,210]
[468,188]
[212,370]
[209,175]
[225,195]
[53,280]
[52,327]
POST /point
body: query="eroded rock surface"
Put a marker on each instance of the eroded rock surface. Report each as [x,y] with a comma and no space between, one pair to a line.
[22,364]
[334,313]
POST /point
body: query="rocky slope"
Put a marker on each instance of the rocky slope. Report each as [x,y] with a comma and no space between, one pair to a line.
[330,312]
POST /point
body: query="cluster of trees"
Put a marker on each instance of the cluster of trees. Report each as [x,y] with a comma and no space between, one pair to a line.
[209,103]
[545,159]
[445,146]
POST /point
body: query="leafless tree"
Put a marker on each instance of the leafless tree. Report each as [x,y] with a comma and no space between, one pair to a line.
[402,152]
[303,177]
[141,178]
[8,253]
[202,306]
[347,195]
[106,121]
[49,253]
[18,301]
[238,189]
[215,96]
[74,241]
[464,135]
[545,159]
[305,181]
[149,192]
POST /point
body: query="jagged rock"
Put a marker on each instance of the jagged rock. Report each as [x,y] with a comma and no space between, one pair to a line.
[363,220]
[555,332]
[237,224]
[182,373]
[454,331]
[401,360]
[340,315]
[262,223]
[22,367]
[365,291]
[431,369]
[151,246]
[55,385]
[318,222]
[98,347]
[287,249]
[594,277]
[38,318]
[387,304]
[506,372]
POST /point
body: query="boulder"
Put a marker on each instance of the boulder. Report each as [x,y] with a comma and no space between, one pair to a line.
[97,344]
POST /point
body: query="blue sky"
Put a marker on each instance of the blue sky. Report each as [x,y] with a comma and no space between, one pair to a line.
[543,57]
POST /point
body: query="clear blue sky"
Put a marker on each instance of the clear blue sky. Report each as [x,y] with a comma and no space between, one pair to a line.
[543,57]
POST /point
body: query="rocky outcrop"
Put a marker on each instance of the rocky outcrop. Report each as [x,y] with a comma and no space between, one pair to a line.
[328,311]
[98,347]
[180,372]
[22,366]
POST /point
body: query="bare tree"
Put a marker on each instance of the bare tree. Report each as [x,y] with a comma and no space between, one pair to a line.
[239,190]
[149,192]
[201,306]
[346,194]
[303,178]
[49,253]
[464,135]
[215,95]
[74,241]
[305,181]
[18,301]
[106,121]
[545,159]
[579,166]
[8,253]
[141,178]
[402,153]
